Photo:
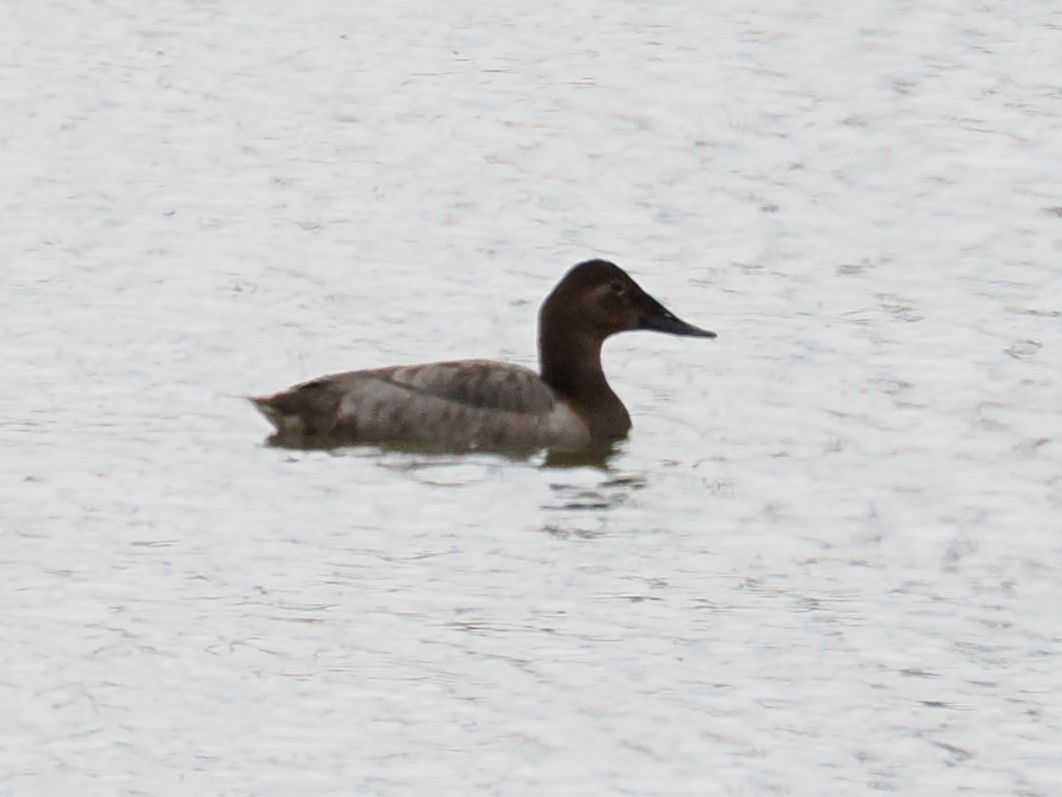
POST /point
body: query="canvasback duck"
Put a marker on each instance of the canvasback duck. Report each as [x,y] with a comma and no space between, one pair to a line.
[485,405]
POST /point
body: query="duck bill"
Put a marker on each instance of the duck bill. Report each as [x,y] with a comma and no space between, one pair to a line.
[659,319]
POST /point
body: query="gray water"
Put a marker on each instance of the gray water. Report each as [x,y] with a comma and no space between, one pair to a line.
[827,562]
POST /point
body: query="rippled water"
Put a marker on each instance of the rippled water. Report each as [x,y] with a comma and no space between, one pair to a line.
[827,562]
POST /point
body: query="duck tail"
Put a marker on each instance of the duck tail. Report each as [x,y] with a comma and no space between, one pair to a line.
[285,423]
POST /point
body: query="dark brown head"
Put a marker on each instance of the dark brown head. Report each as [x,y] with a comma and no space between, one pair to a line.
[596,299]
[599,299]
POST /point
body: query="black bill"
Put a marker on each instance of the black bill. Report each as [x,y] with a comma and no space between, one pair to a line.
[659,319]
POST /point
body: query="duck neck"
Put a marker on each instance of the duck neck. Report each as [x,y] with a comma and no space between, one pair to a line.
[571,365]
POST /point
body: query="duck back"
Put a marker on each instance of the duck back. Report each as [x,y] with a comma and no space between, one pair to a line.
[470,404]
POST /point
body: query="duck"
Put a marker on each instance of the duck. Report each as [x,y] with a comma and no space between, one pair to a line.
[483,405]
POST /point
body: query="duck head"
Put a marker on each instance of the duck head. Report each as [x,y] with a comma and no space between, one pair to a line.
[599,299]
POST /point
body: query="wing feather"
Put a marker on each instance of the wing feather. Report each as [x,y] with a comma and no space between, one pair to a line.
[466,404]
[478,384]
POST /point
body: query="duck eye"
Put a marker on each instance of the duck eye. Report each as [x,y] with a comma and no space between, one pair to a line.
[616,286]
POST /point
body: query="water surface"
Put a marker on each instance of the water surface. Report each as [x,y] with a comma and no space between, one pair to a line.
[825,563]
